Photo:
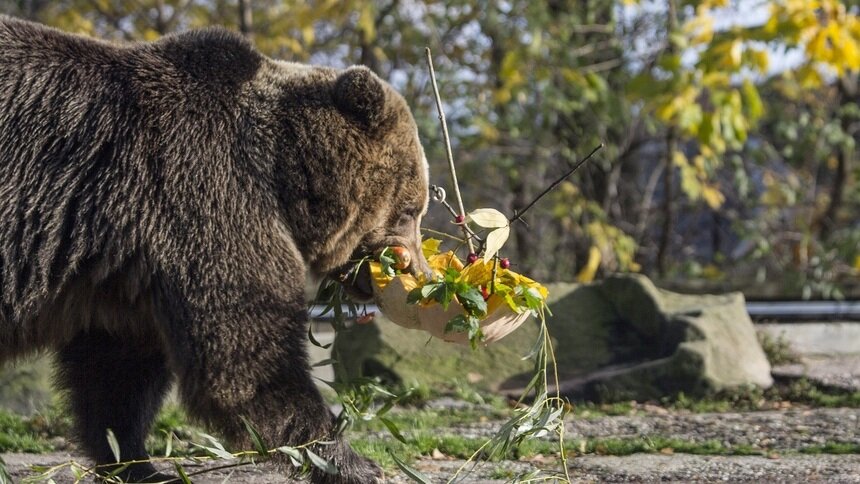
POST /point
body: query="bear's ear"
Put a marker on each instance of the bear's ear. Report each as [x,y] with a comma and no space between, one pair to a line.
[360,94]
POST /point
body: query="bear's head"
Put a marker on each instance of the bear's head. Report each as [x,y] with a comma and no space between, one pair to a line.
[354,178]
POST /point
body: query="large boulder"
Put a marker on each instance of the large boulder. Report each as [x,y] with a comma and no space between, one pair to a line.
[399,355]
[623,338]
[620,338]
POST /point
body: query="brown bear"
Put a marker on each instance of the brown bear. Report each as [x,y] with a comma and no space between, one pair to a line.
[161,206]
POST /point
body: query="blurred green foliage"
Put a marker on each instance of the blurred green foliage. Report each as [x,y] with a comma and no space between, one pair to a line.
[730,142]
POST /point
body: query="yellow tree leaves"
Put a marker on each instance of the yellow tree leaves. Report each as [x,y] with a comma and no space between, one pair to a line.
[703,88]
[828,33]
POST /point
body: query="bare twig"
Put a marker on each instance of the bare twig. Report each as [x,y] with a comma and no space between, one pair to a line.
[448,151]
[518,214]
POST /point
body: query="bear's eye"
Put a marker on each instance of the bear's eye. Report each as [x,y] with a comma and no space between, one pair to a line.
[404,218]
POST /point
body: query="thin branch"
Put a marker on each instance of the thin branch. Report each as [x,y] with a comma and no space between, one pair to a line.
[448,151]
[518,214]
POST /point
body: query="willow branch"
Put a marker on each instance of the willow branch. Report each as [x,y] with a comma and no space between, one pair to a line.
[448,151]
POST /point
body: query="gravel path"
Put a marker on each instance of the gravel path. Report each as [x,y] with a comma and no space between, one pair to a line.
[767,430]
[779,432]
[839,371]
[792,429]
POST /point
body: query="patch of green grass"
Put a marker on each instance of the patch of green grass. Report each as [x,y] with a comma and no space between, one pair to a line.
[32,434]
[429,419]
[424,443]
[804,391]
[777,350]
[172,423]
[12,442]
[832,448]
[595,410]
[502,473]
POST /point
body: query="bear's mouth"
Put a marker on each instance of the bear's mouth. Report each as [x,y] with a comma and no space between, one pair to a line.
[356,281]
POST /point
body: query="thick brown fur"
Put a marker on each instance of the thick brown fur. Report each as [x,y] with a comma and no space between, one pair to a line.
[161,205]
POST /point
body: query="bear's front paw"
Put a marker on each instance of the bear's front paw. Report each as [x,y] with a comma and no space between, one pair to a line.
[351,468]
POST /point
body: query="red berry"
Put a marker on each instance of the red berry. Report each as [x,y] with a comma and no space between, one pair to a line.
[505,263]
[459,219]
[485,293]
[471,258]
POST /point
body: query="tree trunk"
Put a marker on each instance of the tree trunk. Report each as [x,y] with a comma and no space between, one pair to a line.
[827,222]
[246,19]
[668,199]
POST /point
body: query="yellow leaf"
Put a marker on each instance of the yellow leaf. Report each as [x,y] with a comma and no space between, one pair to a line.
[712,272]
[713,197]
[752,100]
[477,273]
[678,159]
[308,35]
[430,247]
[760,59]
[735,53]
[857,262]
[590,270]
[441,262]
[367,23]
[379,278]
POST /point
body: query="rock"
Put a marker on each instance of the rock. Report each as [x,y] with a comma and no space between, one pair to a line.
[623,338]
[835,371]
[618,339]
[399,355]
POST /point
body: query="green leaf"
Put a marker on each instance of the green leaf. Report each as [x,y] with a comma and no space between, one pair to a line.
[473,301]
[116,472]
[5,477]
[256,438]
[322,464]
[327,361]
[393,429]
[751,100]
[488,218]
[296,457]
[443,294]
[183,476]
[416,295]
[475,334]
[409,471]
[451,274]
[113,444]
[215,448]
[77,470]
[534,299]
[387,260]
[314,340]
[168,444]
[428,290]
[457,324]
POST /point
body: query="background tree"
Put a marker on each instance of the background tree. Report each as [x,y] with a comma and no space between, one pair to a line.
[730,127]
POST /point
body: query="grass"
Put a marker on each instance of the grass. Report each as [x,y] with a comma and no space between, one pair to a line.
[32,434]
[832,448]
[425,428]
[796,393]
[424,444]
[777,350]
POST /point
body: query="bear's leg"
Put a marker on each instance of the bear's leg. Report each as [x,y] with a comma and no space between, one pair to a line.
[241,354]
[115,383]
